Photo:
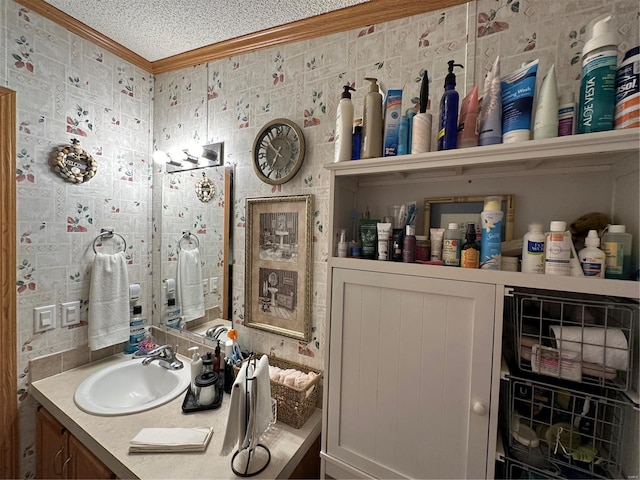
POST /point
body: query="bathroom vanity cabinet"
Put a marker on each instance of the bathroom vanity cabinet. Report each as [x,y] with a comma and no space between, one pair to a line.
[414,363]
[61,455]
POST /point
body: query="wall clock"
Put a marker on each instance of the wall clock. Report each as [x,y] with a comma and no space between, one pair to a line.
[278,151]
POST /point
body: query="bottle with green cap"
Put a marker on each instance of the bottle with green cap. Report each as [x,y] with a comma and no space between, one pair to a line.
[372,122]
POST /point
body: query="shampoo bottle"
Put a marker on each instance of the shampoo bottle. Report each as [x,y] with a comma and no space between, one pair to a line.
[344,126]
[372,122]
[196,366]
[448,125]
[533,249]
[409,245]
[557,249]
[592,259]
[597,87]
[546,119]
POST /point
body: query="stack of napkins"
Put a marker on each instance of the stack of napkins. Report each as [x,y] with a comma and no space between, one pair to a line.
[171,440]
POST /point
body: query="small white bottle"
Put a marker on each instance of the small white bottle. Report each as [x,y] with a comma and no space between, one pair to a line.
[452,245]
[557,248]
[533,249]
[344,126]
[196,366]
[592,259]
[343,245]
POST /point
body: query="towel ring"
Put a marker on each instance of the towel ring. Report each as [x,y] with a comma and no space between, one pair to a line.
[186,234]
[108,233]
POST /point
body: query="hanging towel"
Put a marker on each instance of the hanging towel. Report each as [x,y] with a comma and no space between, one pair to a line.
[236,421]
[108,301]
[190,292]
[261,412]
[603,346]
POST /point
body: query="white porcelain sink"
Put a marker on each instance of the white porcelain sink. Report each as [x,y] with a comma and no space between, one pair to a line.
[130,387]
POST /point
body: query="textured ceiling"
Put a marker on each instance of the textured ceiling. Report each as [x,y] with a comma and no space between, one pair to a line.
[162,28]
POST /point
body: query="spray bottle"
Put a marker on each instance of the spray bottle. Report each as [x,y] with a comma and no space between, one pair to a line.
[597,88]
[344,126]
[448,126]
[372,122]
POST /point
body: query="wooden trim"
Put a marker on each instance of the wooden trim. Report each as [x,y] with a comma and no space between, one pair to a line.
[226,249]
[8,326]
[86,32]
[369,13]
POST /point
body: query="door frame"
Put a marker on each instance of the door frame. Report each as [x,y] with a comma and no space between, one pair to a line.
[8,326]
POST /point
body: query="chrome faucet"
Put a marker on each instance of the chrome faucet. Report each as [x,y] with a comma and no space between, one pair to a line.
[165,356]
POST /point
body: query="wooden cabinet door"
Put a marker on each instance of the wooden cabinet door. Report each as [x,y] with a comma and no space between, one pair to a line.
[51,446]
[85,464]
[409,377]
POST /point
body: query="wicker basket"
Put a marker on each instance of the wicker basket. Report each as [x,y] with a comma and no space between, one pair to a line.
[295,406]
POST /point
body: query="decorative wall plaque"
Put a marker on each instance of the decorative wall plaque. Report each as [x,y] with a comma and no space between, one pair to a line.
[72,163]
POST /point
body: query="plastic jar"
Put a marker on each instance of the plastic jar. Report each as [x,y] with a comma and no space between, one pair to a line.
[423,248]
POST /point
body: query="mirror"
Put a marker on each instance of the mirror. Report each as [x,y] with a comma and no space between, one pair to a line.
[182,215]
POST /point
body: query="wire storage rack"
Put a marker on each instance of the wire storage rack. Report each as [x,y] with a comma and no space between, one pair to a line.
[566,432]
[580,340]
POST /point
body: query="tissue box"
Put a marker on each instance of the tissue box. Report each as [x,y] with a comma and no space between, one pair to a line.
[295,406]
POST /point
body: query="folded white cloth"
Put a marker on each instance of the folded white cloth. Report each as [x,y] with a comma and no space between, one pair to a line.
[108,301]
[603,346]
[171,440]
[190,291]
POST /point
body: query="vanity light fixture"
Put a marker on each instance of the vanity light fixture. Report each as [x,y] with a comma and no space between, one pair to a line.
[192,158]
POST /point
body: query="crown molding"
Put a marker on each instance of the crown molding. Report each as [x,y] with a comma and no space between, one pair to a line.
[74,26]
[369,13]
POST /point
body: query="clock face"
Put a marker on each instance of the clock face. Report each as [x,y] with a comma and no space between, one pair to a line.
[278,151]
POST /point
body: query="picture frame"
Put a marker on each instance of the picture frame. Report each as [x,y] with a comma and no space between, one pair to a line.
[439,211]
[279,265]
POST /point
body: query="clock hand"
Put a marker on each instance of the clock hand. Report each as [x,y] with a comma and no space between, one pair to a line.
[278,154]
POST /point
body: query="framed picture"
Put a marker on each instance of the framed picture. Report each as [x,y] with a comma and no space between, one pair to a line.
[279,263]
[438,212]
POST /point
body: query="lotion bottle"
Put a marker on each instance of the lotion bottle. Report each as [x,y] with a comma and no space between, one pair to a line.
[344,126]
[557,249]
[533,249]
[566,114]
[546,119]
[448,126]
[592,259]
[372,122]
[196,366]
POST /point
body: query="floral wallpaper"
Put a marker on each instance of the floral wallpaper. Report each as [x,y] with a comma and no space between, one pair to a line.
[69,88]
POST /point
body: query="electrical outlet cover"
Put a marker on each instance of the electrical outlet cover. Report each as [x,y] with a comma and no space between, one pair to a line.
[70,313]
[44,318]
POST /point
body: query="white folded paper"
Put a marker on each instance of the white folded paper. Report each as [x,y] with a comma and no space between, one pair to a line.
[171,440]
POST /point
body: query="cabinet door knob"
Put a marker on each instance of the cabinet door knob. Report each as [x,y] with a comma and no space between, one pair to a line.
[479,409]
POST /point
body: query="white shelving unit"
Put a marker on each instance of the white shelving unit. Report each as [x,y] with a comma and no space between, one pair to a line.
[449,309]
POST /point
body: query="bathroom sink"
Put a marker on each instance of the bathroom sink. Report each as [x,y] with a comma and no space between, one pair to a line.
[129,387]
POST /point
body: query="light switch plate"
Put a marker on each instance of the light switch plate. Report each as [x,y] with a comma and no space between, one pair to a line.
[205,285]
[213,284]
[44,318]
[70,313]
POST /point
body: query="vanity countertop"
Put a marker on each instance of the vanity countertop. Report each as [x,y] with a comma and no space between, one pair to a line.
[108,437]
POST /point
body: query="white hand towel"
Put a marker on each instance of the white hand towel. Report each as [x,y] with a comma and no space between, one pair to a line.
[261,412]
[171,440]
[190,292]
[603,346]
[236,420]
[108,301]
